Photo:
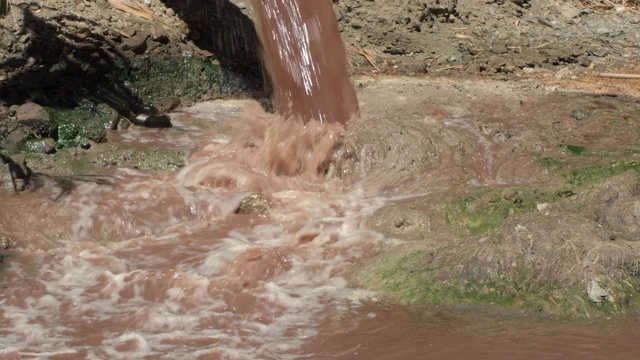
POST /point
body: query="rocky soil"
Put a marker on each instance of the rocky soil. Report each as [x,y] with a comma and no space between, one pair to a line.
[489,37]
[554,144]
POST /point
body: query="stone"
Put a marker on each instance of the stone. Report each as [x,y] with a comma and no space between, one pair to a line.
[109,117]
[34,116]
[254,203]
[5,242]
[40,146]
[137,43]
[159,33]
[154,121]
[568,10]
[596,293]
[29,111]
[15,173]
[14,141]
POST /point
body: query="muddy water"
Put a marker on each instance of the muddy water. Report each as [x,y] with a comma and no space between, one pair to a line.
[306,60]
[135,266]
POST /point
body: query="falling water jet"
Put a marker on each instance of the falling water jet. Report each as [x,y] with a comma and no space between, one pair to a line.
[306,60]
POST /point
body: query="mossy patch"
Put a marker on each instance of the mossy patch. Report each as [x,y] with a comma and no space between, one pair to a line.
[536,249]
[401,275]
[596,174]
[409,278]
[81,125]
[549,162]
[158,80]
[484,210]
[575,149]
[104,156]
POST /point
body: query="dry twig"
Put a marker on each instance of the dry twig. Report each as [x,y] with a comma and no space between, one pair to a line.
[619,76]
[358,50]
[141,10]
[450,68]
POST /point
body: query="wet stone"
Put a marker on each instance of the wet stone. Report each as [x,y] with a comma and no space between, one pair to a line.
[109,116]
[5,242]
[155,121]
[40,146]
[579,114]
[254,203]
[34,116]
[137,43]
[14,141]
[14,173]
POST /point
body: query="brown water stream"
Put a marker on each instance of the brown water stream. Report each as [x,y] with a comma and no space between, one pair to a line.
[306,60]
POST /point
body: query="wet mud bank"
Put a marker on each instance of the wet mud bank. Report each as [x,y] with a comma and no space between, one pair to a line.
[512,194]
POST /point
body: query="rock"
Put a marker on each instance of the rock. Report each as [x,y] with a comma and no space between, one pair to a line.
[123,123]
[137,43]
[40,146]
[5,242]
[542,206]
[254,203]
[159,34]
[580,114]
[108,116]
[35,117]
[596,293]
[14,141]
[15,179]
[154,121]
[568,10]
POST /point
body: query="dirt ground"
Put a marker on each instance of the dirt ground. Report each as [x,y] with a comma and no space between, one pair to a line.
[521,156]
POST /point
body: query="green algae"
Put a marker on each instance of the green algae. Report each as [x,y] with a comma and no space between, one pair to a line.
[69,161]
[401,275]
[409,278]
[159,80]
[429,276]
[596,174]
[81,125]
[484,210]
[575,149]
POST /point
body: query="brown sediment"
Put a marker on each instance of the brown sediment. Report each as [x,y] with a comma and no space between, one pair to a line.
[306,60]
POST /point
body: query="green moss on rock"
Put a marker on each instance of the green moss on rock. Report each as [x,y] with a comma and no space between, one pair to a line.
[160,81]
